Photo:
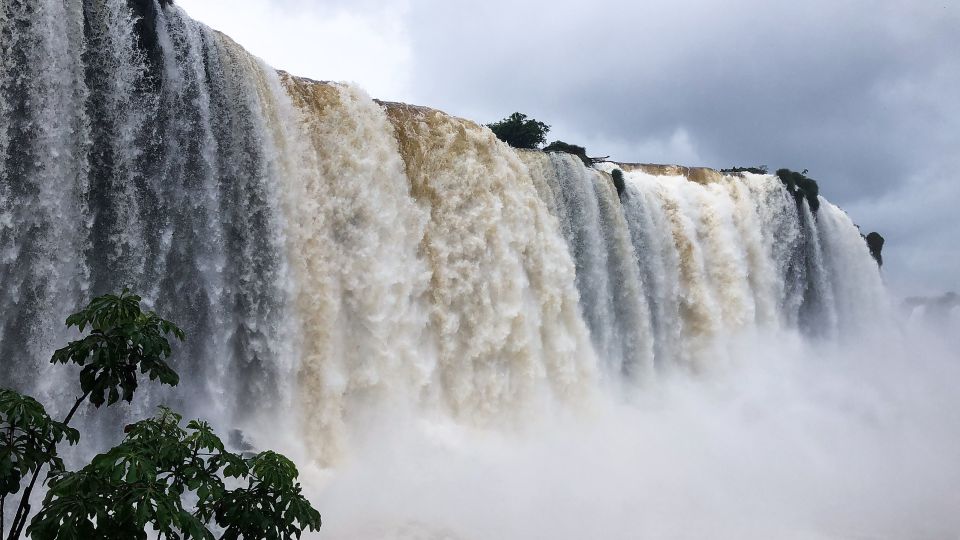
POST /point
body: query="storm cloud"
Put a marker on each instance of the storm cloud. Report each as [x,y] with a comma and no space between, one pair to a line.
[864,94]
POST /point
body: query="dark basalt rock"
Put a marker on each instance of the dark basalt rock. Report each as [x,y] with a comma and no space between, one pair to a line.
[579,151]
[618,182]
[875,243]
[801,186]
[762,169]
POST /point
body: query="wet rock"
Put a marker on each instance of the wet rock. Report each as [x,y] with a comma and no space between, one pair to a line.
[875,243]
[618,182]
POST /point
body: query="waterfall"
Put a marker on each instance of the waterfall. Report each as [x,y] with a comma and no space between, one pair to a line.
[594,225]
[153,168]
[360,278]
[44,217]
[327,253]
[502,301]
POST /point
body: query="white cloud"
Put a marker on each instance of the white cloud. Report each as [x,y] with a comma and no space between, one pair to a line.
[325,41]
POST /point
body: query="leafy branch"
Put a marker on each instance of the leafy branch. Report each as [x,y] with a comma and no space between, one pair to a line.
[176,480]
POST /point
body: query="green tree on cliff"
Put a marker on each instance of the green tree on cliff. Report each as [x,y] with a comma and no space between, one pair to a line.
[519,132]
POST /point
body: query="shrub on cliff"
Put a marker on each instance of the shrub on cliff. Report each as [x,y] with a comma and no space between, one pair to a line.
[762,169]
[579,151]
[801,186]
[519,132]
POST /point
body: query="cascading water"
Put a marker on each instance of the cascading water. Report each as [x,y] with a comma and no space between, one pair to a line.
[360,277]
[44,144]
[329,255]
[502,300]
[607,274]
[137,152]
[323,250]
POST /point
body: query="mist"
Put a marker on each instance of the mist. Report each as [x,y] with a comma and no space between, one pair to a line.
[457,339]
[791,439]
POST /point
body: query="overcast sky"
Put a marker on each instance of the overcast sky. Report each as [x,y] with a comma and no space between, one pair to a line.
[864,94]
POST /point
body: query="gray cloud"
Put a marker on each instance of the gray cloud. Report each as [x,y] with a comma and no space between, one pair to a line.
[862,93]
[809,85]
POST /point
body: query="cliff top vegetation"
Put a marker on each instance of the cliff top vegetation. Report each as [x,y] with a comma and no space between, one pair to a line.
[520,132]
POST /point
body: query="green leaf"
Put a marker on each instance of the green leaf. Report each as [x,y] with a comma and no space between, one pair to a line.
[162,476]
[123,339]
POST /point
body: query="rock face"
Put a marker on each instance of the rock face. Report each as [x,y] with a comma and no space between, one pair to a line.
[801,186]
[618,182]
[875,243]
